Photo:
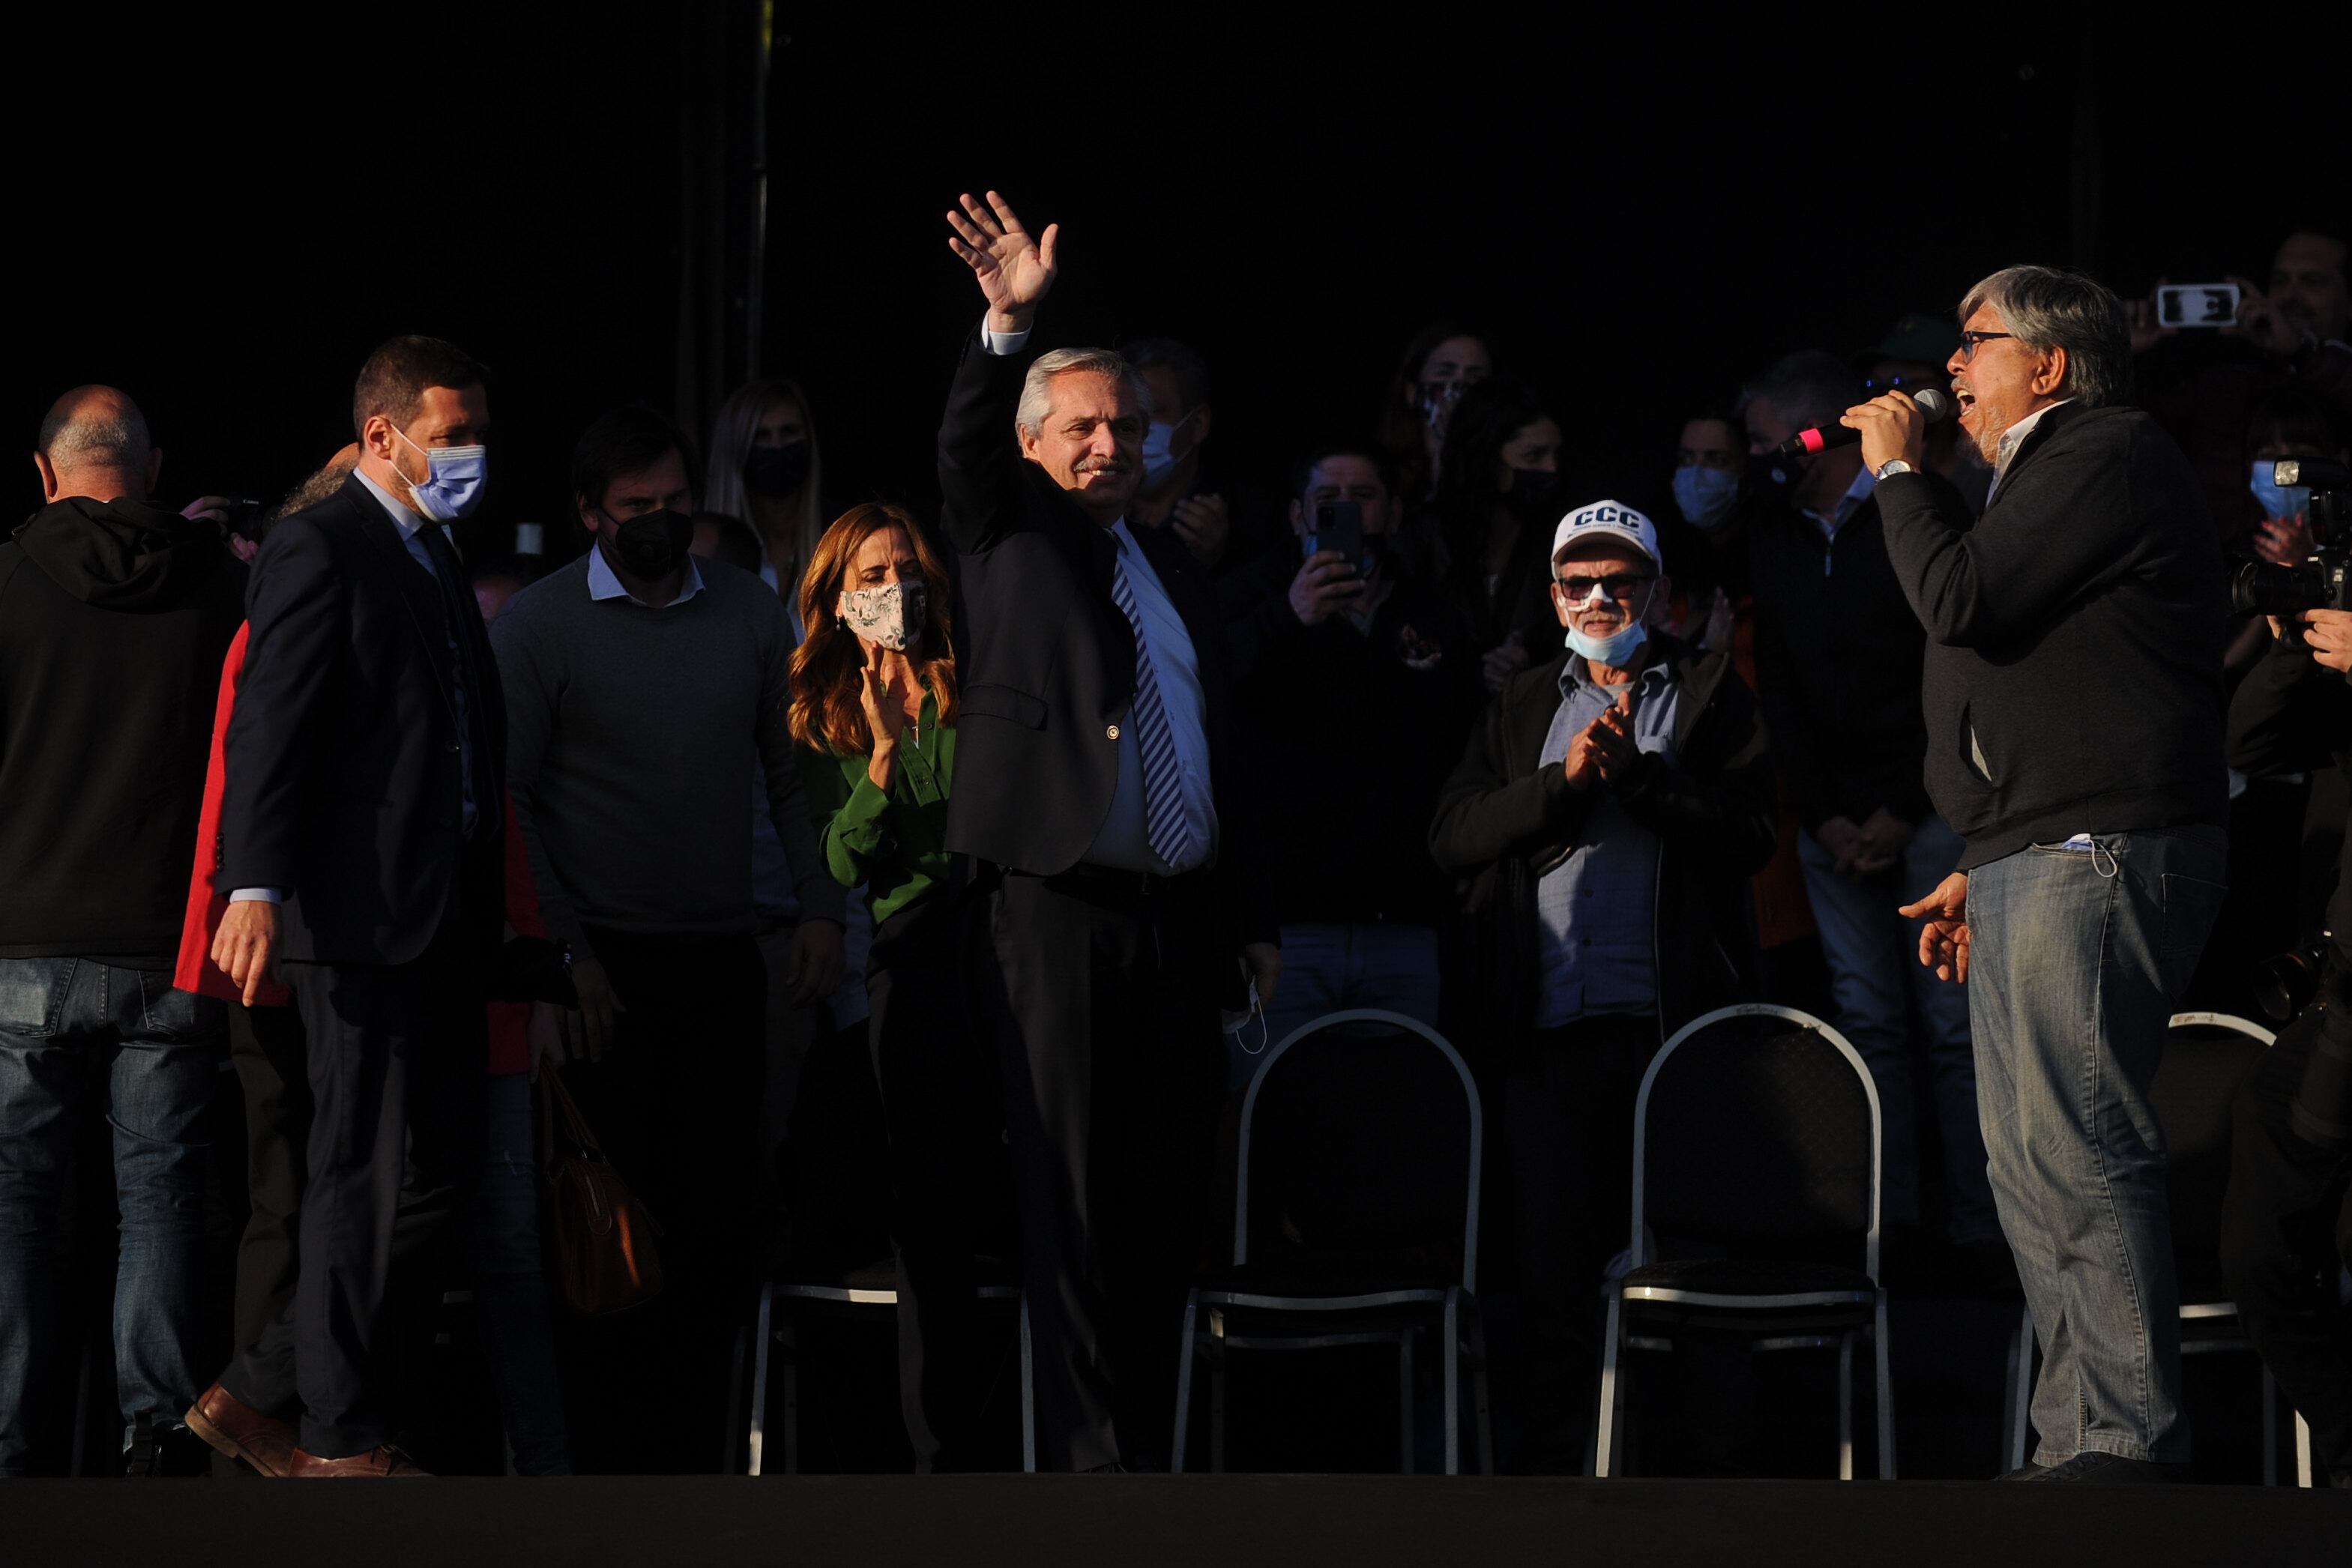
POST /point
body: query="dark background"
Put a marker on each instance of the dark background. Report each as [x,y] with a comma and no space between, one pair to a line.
[224,217]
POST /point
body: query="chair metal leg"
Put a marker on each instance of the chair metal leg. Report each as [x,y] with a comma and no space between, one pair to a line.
[1885,1395]
[2270,1427]
[2302,1451]
[1845,1406]
[792,1416]
[759,1380]
[1029,1395]
[1477,1329]
[1183,1379]
[1612,1390]
[734,1402]
[1404,1399]
[1216,1392]
[1454,1380]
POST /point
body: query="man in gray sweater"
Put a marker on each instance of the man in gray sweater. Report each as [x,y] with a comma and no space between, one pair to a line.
[641,684]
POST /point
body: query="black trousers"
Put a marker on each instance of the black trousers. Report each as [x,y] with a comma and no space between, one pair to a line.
[273,1071]
[676,1103]
[1101,996]
[397,1057]
[2287,1227]
[1570,1112]
[948,1175]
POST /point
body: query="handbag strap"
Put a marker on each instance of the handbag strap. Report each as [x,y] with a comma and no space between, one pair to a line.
[559,1114]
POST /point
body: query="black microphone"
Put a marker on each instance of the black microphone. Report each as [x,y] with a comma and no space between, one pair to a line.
[1935,404]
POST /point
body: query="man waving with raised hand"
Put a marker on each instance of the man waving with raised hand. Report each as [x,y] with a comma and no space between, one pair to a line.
[1098,789]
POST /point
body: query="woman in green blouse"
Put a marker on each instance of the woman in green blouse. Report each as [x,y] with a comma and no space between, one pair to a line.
[874,706]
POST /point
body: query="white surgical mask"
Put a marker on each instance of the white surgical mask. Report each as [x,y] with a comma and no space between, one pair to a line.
[1158,449]
[454,480]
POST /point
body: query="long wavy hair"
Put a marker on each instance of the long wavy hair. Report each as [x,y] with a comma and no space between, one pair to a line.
[827,712]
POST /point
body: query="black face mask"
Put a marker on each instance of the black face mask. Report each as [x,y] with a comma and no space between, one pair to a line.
[652,545]
[777,473]
[1534,496]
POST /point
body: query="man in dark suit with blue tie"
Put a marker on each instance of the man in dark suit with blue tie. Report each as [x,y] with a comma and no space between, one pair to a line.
[362,832]
[1098,789]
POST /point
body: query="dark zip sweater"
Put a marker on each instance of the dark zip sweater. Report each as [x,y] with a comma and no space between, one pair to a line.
[2074,669]
[114,617]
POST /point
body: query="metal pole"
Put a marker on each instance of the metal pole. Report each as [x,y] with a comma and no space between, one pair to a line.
[755,280]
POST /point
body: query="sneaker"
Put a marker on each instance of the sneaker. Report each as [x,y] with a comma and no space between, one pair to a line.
[2029,1471]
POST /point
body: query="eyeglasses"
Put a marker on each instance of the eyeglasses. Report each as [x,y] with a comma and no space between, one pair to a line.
[1618,585]
[1969,342]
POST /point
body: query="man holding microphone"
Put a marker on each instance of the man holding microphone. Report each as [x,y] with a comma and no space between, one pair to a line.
[2073,704]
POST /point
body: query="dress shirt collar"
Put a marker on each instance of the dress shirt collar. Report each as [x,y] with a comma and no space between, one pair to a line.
[403,516]
[1847,504]
[603,583]
[1653,677]
[2015,437]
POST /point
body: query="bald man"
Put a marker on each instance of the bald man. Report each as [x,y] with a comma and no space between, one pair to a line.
[114,616]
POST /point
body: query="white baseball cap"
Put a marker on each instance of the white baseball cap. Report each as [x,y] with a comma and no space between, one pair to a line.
[1610,520]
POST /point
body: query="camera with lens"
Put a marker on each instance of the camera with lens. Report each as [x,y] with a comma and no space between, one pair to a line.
[2263,587]
[2287,983]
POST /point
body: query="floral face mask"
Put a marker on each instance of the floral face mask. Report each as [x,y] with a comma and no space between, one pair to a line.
[891,616]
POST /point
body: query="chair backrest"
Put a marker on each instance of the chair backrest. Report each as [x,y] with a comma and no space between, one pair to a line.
[1756,1130]
[1360,1138]
[2205,1057]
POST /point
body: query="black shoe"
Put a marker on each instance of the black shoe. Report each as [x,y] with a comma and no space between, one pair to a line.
[2112,1469]
[2029,1471]
[166,1452]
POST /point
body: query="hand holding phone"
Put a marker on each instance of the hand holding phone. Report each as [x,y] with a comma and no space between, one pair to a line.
[2197,304]
[1339,526]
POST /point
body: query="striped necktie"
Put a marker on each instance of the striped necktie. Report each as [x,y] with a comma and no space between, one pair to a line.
[1164,805]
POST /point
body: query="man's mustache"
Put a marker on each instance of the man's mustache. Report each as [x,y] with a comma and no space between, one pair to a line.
[1112,465]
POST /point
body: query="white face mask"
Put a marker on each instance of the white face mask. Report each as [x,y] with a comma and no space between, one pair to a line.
[1160,448]
[891,616]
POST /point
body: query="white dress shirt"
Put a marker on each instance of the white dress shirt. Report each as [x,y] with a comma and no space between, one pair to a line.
[2012,439]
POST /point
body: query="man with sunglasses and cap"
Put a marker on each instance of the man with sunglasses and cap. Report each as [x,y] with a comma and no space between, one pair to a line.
[1614,803]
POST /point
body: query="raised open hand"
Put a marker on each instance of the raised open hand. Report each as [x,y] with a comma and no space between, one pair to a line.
[1014,271]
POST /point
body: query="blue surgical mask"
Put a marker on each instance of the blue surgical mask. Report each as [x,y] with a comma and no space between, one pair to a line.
[1615,650]
[1158,449]
[2278,499]
[1703,495]
[454,480]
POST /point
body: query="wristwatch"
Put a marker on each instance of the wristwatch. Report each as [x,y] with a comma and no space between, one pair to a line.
[1892,465]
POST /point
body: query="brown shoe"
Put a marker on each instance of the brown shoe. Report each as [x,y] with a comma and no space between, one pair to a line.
[241,1432]
[379,1462]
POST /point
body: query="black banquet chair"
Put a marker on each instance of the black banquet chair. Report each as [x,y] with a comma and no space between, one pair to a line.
[869,1291]
[1756,1151]
[1355,1218]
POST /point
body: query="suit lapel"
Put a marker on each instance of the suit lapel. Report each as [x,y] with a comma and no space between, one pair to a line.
[418,595]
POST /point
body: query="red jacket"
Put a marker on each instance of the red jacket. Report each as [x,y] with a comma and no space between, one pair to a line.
[196,971]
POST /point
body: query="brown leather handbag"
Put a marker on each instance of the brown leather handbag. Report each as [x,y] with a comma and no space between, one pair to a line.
[600,1240]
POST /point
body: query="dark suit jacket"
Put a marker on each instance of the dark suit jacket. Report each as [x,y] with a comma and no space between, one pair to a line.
[1050,665]
[343,764]
[2074,630]
[1712,809]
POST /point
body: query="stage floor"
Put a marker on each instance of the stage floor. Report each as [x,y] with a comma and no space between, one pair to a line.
[1221,1522]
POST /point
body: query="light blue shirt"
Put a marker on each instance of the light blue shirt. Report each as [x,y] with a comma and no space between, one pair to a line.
[603,583]
[1596,911]
[1124,842]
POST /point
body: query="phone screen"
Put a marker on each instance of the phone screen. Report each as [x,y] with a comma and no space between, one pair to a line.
[2196,305]
[1338,525]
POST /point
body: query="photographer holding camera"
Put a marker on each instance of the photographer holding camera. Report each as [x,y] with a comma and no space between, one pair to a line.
[2291,1149]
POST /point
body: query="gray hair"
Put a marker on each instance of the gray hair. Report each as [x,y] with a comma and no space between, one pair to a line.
[96,427]
[2047,309]
[1036,392]
[1809,388]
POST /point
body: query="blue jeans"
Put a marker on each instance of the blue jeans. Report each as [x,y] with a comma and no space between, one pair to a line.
[1876,979]
[80,1040]
[2076,964]
[1328,967]
[510,1291]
